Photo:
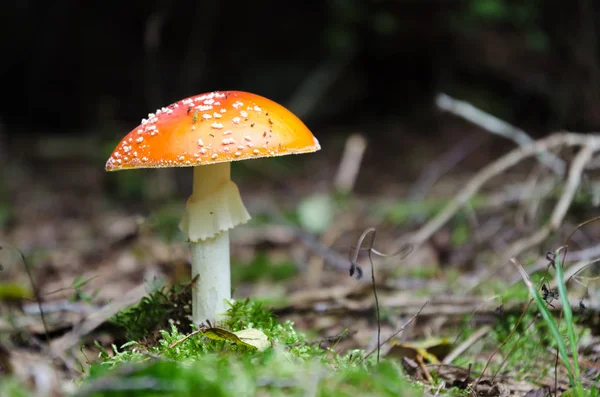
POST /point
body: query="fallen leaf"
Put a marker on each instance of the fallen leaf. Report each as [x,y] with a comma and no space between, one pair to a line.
[431,349]
[254,337]
[250,337]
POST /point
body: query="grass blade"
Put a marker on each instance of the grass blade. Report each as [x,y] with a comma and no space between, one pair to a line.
[547,316]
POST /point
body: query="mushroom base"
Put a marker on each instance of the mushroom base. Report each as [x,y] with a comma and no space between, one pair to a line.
[212,289]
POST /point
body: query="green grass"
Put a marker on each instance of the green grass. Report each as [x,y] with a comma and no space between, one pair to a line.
[155,312]
[571,365]
[538,330]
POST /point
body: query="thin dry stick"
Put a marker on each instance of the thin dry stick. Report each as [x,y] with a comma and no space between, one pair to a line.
[496,126]
[512,332]
[355,268]
[581,225]
[419,359]
[497,167]
[36,293]
[437,392]
[513,349]
[466,344]
[94,320]
[529,203]
[559,212]
[372,232]
[328,339]
[397,332]
[575,269]
[561,208]
[198,331]
[67,362]
[440,166]
[583,255]
[450,356]
[350,163]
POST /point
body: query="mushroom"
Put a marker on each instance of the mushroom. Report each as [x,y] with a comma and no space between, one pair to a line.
[208,132]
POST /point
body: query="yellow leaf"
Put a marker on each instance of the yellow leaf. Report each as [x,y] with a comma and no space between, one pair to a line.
[250,337]
[13,291]
[254,337]
[432,349]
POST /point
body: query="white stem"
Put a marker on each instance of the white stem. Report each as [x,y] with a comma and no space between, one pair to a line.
[214,207]
[210,262]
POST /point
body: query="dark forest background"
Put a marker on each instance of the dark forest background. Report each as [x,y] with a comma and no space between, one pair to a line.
[72,66]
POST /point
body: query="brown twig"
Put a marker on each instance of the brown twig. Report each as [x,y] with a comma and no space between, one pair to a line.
[350,163]
[583,255]
[354,265]
[496,126]
[581,225]
[440,166]
[507,356]
[419,359]
[196,332]
[592,142]
[328,339]
[96,319]
[466,344]
[437,392]
[36,293]
[560,210]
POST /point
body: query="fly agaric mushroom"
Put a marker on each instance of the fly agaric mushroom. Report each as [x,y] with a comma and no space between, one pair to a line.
[207,132]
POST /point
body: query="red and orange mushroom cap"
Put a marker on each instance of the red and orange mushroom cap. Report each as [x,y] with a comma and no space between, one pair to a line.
[211,128]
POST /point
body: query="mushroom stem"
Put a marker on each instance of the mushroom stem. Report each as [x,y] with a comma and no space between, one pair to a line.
[212,290]
[214,207]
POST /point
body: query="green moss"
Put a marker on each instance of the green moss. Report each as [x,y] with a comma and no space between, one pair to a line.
[155,312]
[273,373]
[202,366]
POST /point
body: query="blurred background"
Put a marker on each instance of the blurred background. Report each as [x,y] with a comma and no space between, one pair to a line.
[77,76]
[339,64]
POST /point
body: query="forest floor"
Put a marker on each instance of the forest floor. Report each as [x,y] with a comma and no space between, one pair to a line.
[102,257]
